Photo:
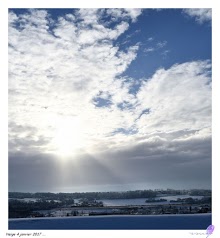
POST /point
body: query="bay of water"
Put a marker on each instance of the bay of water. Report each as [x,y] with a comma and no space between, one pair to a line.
[141,201]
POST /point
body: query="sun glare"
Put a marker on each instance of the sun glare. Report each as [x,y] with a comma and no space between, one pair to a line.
[68,136]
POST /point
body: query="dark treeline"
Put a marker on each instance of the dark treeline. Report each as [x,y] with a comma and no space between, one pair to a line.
[109,195]
[190,200]
[88,195]
[18,209]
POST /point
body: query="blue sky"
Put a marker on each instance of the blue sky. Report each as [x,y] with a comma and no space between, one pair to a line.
[109,99]
[173,38]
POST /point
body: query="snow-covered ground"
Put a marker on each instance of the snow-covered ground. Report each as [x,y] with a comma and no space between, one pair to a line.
[155,222]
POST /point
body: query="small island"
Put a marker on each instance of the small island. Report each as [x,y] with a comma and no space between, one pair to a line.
[156,200]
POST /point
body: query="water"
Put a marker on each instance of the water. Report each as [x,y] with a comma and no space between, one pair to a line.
[141,201]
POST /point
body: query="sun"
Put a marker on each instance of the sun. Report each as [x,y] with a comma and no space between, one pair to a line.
[68,136]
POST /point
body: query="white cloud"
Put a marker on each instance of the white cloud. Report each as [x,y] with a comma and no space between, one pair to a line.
[161,44]
[58,72]
[133,13]
[157,47]
[179,99]
[200,14]
[119,13]
[150,39]
[150,49]
[165,53]
[89,15]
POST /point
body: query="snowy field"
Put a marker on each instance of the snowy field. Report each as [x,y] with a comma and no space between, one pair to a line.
[142,222]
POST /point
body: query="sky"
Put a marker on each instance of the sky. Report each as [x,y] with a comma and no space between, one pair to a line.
[109,99]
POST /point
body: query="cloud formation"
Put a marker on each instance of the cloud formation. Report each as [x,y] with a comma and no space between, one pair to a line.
[69,65]
[65,76]
[201,15]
